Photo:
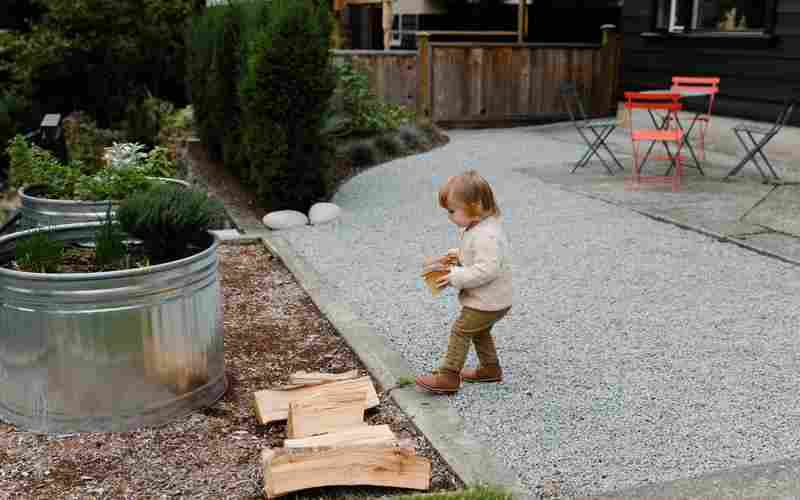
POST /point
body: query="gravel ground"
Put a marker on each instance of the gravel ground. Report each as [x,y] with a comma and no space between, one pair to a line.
[635,352]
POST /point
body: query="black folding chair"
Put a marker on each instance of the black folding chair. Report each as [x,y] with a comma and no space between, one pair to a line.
[756,147]
[594,131]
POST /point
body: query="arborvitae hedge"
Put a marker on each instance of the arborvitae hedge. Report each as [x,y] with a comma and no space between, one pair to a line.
[207,75]
[220,43]
[285,94]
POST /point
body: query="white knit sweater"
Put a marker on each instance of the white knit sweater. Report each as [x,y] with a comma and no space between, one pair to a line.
[483,276]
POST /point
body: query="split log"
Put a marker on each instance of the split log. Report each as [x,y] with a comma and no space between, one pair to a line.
[272,405]
[353,466]
[317,378]
[336,409]
[368,435]
[305,379]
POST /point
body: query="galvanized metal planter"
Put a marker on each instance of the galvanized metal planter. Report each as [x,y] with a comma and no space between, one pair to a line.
[43,212]
[109,351]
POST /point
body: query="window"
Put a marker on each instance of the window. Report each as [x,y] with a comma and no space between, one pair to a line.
[404,29]
[730,16]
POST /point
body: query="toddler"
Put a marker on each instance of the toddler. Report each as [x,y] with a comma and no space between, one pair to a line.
[482,275]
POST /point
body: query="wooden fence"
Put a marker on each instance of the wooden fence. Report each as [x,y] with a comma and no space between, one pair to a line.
[490,84]
[392,74]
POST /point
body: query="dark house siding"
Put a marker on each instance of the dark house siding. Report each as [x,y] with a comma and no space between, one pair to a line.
[571,21]
[552,21]
[756,73]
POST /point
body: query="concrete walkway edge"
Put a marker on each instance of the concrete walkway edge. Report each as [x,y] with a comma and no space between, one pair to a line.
[432,415]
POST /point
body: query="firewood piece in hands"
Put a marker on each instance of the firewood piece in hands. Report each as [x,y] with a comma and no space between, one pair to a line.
[273,405]
[350,466]
[431,278]
[328,411]
[367,435]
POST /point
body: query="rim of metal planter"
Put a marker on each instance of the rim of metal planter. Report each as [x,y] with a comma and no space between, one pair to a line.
[41,211]
[81,226]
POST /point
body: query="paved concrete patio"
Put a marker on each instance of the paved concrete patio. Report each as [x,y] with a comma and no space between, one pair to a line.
[741,209]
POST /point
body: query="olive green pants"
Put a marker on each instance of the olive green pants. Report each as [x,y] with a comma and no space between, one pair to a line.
[472,326]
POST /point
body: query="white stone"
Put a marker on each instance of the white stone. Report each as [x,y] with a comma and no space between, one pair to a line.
[283,219]
[323,212]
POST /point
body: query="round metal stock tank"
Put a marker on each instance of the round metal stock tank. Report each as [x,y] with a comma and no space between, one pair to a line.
[109,351]
[41,212]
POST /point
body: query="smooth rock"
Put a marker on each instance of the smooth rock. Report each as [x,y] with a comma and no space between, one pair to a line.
[283,219]
[323,212]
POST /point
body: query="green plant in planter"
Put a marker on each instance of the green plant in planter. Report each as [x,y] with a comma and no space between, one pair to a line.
[30,164]
[111,184]
[170,220]
[109,243]
[158,163]
[125,154]
[26,162]
[39,253]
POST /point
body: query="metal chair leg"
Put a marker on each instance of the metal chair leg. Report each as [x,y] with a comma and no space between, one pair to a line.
[763,157]
[583,160]
[593,151]
[687,141]
[749,148]
[608,150]
[751,153]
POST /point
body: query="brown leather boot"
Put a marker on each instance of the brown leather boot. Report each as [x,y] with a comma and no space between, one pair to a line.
[489,373]
[441,382]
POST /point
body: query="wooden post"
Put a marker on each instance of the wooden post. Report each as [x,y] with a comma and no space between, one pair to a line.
[387,24]
[610,72]
[424,84]
[521,20]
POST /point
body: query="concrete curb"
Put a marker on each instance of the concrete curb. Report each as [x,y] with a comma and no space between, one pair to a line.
[432,416]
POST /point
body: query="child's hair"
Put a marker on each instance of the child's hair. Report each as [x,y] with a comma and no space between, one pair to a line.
[471,190]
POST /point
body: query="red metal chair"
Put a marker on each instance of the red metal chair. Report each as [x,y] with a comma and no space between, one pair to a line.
[706,84]
[666,132]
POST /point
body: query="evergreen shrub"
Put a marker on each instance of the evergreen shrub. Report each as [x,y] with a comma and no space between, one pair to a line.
[10,107]
[220,44]
[285,94]
[363,153]
[170,220]
[390,145]
[410,135]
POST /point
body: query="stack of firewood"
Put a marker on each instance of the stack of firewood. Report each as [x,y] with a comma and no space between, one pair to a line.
[328,443]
